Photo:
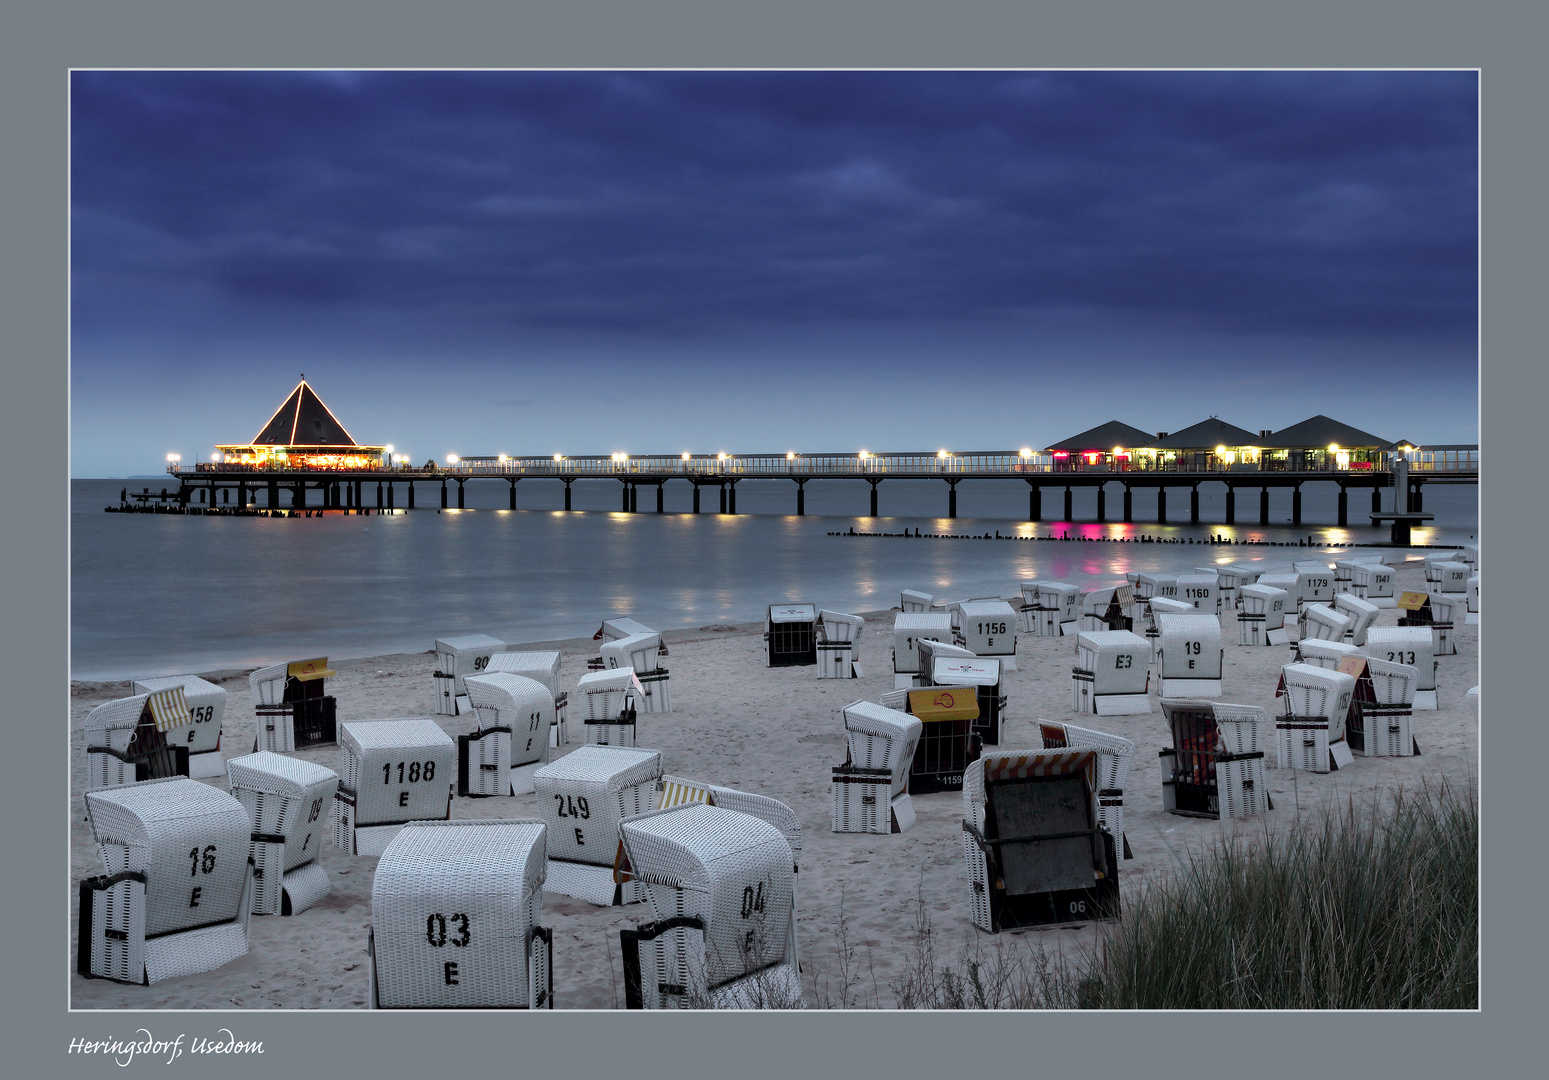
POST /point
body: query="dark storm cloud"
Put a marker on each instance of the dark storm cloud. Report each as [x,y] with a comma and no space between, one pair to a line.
[667,203]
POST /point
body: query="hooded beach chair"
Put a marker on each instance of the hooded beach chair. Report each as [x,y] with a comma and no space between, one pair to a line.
[1189,655]
[989,628]
[915,601]
[1444,608]
[286,799]
[1056,610]
[871,789]
[543,665]
[137,738]
[1112,676]
[948,737]
[674,791]
[293,707]
[1321,622]
[908,630]
[582,798]
[1310,735]
[1290,584]
[1262,618]
[1412,645]
[1215,765]
[1114,754]
[457,658]
[640,652]
[838,634]
[515,716]
[1472,618]
[1373,582]
[612,705]
[206,708]
[1323,654]
[1035,851]
[1381,720]
[1200,591]
[1314,582]
[721,889]
[790,635]
[1229,579]
[395,772]
[1361,613]
[454,918]
[1108,609]
[177,891]
[1161,605]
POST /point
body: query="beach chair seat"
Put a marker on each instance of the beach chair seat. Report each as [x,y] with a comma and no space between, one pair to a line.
[515,716]
[543,665]
[1215,765]
[721,888]
[983,674]
[1114,754]
[1321,622]
[202,736]
[137,738]
[1310,735]
[1381,718]
[1112,676]
[612,703]
[293,707]
[790,635]
[1107,609]
[285,799]
[1035,851]
[178,887]
[582,798]
[1412,645]
[908,630]
[1262,618]
[457,658]
[1189,654]
[838,635]
[912,600]
[455,909]
[395,772]
[870,790]
[1361,613]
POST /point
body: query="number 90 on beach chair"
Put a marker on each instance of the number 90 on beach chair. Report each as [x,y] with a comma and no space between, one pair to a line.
[456,659]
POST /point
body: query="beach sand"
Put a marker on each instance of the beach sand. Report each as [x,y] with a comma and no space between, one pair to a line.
[776,731]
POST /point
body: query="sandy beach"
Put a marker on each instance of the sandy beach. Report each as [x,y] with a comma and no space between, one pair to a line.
[777,732]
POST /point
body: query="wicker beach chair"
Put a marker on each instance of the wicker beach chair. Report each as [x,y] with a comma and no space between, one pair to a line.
[790,635]
[1114,754]
[1311,733]
[915,601]
[1444,609]
[838,634]
[136,738]
[1381,720]
[1036,854]
[454,918]
[1373,582]
[543,665]
[611,700]
[1323,654]
[1321,622]
[981,673]
[640,653]
[1314,582]
[1290,584]
[1108,609]
[672,791]
[1472,617]
[177,891]
[1112,676]
[989,628]
[515,716]
[292,706]
[1201,591]
[582,798]
[720,886]
[416,762]
[870,790]
[1361,613]
[285,799]
[456,658]
[1215,765]
[207,708]
[1056,609]
[1412,645]
[908,630]
[1230,579]
[1262,618]
[1189,655]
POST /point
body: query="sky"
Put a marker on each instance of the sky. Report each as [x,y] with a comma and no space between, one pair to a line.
[760,262]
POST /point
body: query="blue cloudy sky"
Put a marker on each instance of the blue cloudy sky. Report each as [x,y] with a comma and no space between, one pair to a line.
[531,262]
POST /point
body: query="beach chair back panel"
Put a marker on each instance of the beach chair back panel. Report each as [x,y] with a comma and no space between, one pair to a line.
[1041,807]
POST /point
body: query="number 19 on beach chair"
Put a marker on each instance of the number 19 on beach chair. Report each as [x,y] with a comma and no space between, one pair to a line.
[1035,851]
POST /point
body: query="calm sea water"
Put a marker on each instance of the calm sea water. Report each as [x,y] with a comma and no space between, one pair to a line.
[161,594]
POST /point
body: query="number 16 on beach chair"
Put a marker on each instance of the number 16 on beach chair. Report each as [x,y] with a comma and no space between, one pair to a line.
[1035,851]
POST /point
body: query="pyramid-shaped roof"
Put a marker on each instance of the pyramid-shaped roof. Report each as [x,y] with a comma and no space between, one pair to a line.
[303,420]
[1106,437]
[1319,431]
[1208,434]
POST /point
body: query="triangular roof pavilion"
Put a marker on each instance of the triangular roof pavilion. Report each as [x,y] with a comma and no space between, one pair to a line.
[1207,435]
[1318,432]
[1105,437]
[303,420]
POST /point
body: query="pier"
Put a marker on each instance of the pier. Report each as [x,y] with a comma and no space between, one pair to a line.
[402,486]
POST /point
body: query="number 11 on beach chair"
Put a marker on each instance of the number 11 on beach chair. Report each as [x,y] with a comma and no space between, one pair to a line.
[511,742]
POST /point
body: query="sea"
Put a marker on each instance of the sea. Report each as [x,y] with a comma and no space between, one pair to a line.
[161,594]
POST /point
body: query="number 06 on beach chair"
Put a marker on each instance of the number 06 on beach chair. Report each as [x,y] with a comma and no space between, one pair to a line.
[286,799]
[1035,851]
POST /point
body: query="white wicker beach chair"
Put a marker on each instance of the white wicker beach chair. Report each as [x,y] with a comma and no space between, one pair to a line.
[1231,578]
[1472,618]
[1323,654]
[543,665]
[1381,723]
[1311,733]
[720,885]
[177,890]
[673,791]
[1189,654]
[1058,611]
[1112,676]
[1149,585]
[207,707]
[1035,851]
[981,673]
[870,790]
[1114,755]
[1444,612]
[790,635]
[908,629]
[395,772]
[1314,582]
[582,798]
[838,634]
[612,703]
[1200,591]
[1215,765]
[285,799]
[1262,618]
[457,657]
[1108,609]
[640,653]
[910,600]
[1361,613]
[454,913]
[1412,645]
[515,716]
[292,706]
[989,628]
[1322,623]
[121,749]
[613,629]
[1373,582]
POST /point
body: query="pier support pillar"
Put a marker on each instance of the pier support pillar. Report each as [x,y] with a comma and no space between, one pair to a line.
[1068,515]
[1034,502]
[1376,500]
[1102,502]
[1194,505]
[241,492]
[1344,506]
[723,496]
[1417,500]
[1161,505]
[512,505]
[1296,505]
[390,486]
[567,494]
[658,496]
[274,495]
[298,496]
[411,494]
[696,498]
[634,498]
[459,496]
[1129,504]
[624,496]
[873,484]
[801,498]
[1231,505]
[951,499]
[443,495]
[1264,506]
[731,497]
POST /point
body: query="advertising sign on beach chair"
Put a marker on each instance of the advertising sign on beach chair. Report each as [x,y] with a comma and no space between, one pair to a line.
[287,799]
[983,674]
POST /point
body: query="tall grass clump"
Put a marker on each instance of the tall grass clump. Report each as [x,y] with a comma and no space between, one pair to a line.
[1357,911]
